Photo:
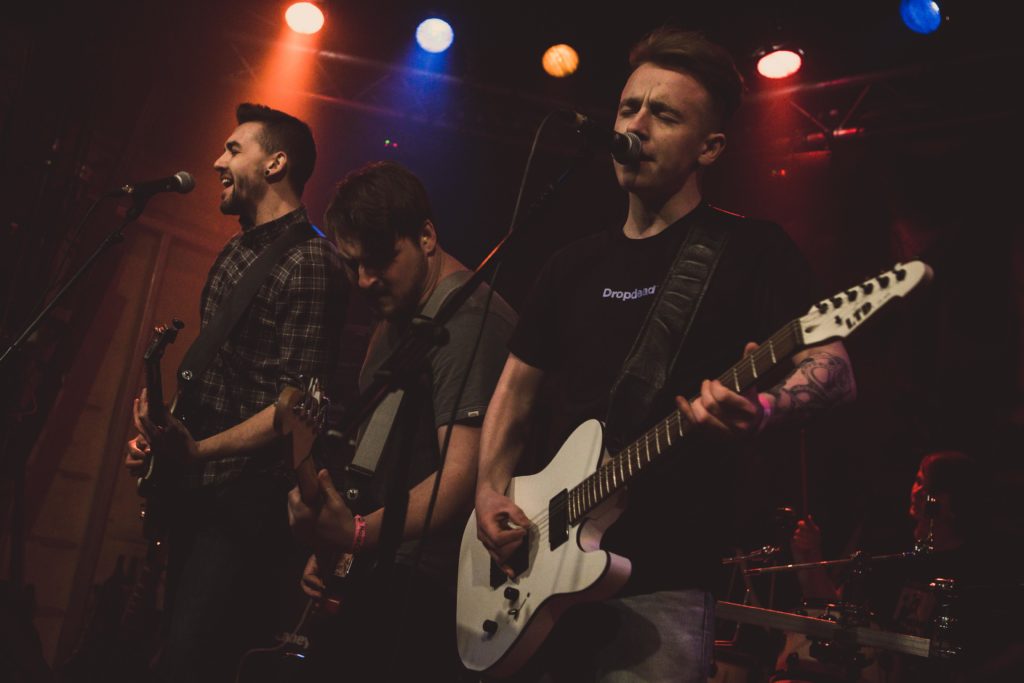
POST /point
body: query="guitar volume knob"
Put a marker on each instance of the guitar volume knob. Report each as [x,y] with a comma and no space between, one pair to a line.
[490,627]
[511,594]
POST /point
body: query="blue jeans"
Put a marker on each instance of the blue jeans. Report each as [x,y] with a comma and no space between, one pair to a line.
[663,637]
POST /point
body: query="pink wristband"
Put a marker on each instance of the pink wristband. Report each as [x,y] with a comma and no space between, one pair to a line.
[766,413]
[359,537]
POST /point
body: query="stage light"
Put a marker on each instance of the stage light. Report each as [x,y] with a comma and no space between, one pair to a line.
[435,35]
[304,17]
[779,62]
[921,16]
[560,61]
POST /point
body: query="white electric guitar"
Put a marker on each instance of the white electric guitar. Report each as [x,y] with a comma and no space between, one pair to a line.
[502,621]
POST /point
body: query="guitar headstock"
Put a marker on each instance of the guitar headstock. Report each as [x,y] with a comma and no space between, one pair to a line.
[839,315]
[302,414]
[162,336]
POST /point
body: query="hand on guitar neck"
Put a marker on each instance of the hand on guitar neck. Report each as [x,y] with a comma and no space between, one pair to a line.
[723,412]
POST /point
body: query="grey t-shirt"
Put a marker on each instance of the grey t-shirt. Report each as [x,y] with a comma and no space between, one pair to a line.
[448,365]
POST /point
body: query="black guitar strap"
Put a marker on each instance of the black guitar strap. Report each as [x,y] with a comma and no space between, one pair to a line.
[203,350]
[658,345]
[378,436]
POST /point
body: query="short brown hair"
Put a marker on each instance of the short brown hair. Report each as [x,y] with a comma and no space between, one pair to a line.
[376,205]
[283,133]
[692,53]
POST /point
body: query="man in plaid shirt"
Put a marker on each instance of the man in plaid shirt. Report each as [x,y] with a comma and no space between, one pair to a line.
[229,539]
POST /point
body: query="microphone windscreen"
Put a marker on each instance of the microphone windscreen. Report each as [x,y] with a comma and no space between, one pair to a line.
[186,183]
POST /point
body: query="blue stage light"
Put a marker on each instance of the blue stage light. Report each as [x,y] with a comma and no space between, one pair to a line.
[921,16]
[435,35]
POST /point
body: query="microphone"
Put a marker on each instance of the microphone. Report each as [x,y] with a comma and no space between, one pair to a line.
[625,148]
[181,182]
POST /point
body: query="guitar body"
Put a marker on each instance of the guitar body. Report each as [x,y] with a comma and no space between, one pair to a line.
[160,483]
[553,579]
[298,417]
[159,480]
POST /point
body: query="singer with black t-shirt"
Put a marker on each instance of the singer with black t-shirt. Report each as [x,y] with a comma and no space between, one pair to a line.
[581,323]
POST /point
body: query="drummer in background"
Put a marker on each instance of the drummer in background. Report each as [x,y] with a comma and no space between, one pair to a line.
[944,524]
[946,507]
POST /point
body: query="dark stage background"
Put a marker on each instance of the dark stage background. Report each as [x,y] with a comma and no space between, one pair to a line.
[93,95]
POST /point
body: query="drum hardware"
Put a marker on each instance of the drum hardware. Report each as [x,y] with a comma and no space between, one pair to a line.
[945,626]
[762,554]
[857,557]
[931,511]
[840,652]
[825,629]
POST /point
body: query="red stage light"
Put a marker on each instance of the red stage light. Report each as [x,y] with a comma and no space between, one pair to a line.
[304,17]
[779,62]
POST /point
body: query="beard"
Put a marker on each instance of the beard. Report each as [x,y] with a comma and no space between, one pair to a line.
[401,306]
[241,201]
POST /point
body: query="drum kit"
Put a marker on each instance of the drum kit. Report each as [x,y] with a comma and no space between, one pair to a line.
[836,642]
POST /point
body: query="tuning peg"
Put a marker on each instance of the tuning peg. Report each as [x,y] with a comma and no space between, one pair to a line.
[822,307]
[883,281]
[851,294]
[867,287]
[900,274]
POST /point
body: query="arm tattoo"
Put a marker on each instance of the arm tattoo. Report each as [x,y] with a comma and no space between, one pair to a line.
[821,381]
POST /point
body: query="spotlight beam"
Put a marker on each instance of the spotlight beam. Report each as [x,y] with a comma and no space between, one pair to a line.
[343,58]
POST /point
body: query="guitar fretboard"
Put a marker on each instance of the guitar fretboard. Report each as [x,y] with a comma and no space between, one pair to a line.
[631,460]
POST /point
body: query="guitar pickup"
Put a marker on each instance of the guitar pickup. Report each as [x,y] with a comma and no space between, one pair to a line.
[558,516]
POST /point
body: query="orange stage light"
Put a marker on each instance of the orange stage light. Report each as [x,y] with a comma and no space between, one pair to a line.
[304,17]
[288,71]
[560,61]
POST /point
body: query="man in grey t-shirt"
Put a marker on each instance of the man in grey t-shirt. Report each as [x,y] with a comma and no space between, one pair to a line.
[382,219]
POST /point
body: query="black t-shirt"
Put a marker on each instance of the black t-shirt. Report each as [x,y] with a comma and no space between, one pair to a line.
[578,326]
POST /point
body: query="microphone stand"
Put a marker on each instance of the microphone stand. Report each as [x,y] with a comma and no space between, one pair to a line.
[409,359]
[115,237]
[17,560]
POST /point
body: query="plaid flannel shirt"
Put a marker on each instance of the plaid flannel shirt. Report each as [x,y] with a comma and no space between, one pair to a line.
[291,329]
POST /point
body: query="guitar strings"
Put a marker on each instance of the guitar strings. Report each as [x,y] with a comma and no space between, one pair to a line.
[783,343]
[620,468]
